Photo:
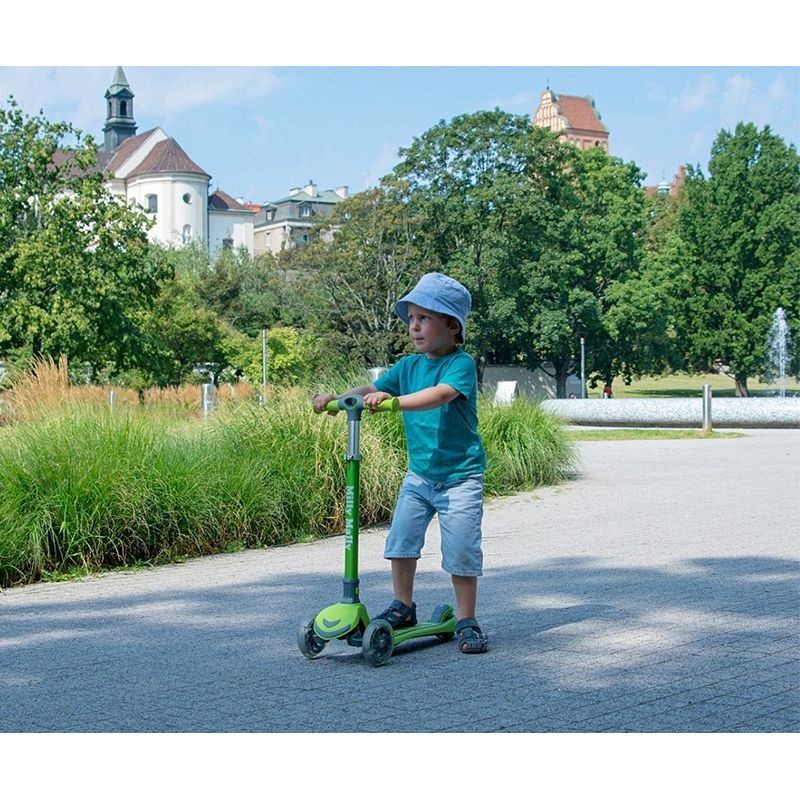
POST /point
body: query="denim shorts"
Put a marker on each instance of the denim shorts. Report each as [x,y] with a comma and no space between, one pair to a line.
[459,505]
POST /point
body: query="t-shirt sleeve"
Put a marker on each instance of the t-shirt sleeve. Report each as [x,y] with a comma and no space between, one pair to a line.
[461,375]
[389,382]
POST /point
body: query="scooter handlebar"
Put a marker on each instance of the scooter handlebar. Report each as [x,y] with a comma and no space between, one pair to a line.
[353,401]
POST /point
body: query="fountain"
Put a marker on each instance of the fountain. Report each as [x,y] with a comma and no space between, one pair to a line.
[778,350]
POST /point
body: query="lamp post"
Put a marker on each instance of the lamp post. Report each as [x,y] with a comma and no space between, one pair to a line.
[263,366]
[583,367]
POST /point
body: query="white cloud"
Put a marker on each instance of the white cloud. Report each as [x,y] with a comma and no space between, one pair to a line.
[744,101]
[75,94]
[166,91]
[264,125]
[696,96]
[64,94]
[778,91]
[527,102]
[383,163]
[699,144]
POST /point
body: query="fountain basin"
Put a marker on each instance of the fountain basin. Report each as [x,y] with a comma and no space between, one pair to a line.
[726,412]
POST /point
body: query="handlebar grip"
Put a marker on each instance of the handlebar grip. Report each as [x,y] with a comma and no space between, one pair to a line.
[354,401]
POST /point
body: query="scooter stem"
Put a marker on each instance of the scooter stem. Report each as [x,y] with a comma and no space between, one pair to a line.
[353,404]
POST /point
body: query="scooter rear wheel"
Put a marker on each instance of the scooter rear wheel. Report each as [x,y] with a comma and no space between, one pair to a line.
[378,643]
[311,645]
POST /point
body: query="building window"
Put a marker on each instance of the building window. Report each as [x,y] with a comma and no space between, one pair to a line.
[305,238]
[187,234]
[187,198]
[227,243]
[305,210]
[123,108]
[270,214]
[152,203]
[267,237]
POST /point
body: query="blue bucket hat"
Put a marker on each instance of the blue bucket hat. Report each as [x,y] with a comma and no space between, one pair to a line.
[440,293]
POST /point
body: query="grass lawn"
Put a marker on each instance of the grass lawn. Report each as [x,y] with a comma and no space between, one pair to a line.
[683,385]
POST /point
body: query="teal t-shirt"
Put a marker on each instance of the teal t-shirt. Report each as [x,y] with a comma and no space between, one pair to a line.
[443,443]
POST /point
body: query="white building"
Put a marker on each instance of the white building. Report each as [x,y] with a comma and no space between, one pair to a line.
[288,222]
[155,171]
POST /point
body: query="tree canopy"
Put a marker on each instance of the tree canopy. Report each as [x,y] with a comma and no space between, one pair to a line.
[741,227]
[76,273]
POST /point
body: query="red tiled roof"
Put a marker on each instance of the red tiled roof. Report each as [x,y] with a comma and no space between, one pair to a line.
[580,113]
[126,150]
[222,201]
[166,156]
[67,156]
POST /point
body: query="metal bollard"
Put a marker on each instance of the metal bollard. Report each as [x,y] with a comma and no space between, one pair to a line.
[111,397]
[706,408]
[208,398]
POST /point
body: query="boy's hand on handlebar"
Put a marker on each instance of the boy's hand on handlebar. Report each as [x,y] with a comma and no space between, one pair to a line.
[319,401]
[372,399]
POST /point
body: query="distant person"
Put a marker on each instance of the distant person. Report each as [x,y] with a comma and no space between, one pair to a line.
[607,393]
[572,396]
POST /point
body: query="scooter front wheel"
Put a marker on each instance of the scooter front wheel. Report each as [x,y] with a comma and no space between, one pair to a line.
[311,645]
[378,642]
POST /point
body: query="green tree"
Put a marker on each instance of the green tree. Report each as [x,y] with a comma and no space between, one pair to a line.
[244,291]
[741,227]
[539,231]
[76,276]
[293,356]
[180,334]
[359,262]
[485,187]
[639,308]
[591,246]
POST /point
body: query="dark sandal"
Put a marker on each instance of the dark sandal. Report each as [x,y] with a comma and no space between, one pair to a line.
[471,639]
[399,615]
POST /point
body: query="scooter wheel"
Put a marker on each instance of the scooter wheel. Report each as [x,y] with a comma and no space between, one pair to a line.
[311,645]
[442,613]
[378,643]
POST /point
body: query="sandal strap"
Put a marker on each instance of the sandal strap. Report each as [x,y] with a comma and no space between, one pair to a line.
[398,613]
[471,639]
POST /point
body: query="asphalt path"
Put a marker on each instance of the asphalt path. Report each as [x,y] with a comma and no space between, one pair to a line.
[656,591]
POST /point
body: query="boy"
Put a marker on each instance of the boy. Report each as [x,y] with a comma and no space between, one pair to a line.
[439,388]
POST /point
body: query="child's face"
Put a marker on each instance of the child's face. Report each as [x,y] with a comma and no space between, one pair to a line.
[431,332]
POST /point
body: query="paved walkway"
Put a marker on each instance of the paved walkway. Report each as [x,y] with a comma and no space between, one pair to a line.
[658,591]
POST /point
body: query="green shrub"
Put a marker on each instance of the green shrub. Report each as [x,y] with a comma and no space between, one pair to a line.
[525,447]
[90,488]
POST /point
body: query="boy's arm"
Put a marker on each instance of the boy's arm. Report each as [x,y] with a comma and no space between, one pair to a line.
[423,400]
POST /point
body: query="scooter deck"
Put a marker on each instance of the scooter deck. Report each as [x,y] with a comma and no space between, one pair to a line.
[343,620]
[426,628]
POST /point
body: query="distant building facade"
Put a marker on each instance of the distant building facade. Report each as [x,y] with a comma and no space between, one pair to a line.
[230,223]
[154,170]
[669,188]
[287,222]
[575,118]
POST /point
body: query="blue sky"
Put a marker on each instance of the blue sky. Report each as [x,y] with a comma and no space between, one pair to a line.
[356,80]
[261,130]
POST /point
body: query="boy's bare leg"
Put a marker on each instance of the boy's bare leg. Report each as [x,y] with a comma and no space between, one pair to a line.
[403,572]
[466,589]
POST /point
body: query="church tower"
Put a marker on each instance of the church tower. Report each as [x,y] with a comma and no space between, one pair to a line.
[120,124]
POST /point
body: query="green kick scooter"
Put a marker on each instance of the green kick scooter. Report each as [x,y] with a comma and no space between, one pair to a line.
[349,619]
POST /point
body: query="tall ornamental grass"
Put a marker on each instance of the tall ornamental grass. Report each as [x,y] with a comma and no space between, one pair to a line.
[86,488]
[46,389]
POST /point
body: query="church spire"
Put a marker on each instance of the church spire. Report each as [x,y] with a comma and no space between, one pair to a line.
[120,124]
